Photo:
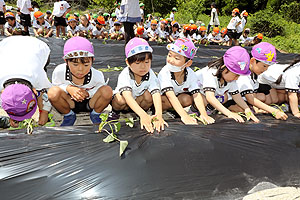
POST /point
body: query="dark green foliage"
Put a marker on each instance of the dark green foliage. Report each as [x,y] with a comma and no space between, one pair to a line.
[291,12]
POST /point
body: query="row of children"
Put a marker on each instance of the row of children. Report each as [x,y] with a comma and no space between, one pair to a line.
[227,84]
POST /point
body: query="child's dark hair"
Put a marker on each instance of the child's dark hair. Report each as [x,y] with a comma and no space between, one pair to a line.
[82,60]
[139,57]
[218,63]
[297,60]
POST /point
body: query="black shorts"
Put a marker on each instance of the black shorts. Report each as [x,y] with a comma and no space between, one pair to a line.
[232,34]
[60,21]
[2,18]
[238,35]
[229,103]
[264,88]
[25,20]
[82,106]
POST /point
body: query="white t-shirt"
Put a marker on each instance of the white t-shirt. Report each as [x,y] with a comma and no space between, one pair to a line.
[242,39]
[24,5]
[214,12]
[24,57]
[233,23]
[175,35]
[97,32]
[153,33]
[121,31]
[168,82]
[163,34]
[241,27]
[2,4]
[211,37]
[226,38]
[17,26]
[73,31]
[117,11]
[247,84]
[62,77]
[291,78]
[89,28]
[181,35]
[270,76]
[207,81]
[60,8]
[172,16]
[199,37]
[142,12]
[126,82]
[46,25]
[111,23]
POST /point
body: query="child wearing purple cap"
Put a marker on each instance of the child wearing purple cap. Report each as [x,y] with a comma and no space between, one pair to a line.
[178,82]
[263,55]
[138,87]
[78,86]
[219,78]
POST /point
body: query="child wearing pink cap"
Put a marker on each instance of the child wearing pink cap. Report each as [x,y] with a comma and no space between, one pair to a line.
[178,82]
[138,87]
[78,86]
[220,76]
[263,55]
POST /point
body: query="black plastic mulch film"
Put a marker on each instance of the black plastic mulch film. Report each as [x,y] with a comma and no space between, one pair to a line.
[220,161]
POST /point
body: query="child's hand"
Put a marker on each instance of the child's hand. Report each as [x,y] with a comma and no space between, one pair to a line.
[280,115]
[43,118]
[159,123]
[189,120]
[207,119]
[78,94]
[236,117]
[252,116]
[146,122]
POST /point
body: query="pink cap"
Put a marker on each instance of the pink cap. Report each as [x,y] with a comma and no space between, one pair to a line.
[237,60]
[78,47]
[264,52]
[137,45]
[19,102]
[184,47]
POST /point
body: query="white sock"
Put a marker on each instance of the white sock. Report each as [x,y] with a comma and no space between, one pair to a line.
[94,112]
[70,113]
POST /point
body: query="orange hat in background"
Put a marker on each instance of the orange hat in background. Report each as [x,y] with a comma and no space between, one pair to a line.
[216,30]
[187,27]
[245,14]
[38,14]
[224,30]
[164,21]
[194,27]
[101,20]
[153,22]
[140,30]
[71,18]
[202,28]
[173,23]
[9,14]
[236,10]
[88,16]
[260,36]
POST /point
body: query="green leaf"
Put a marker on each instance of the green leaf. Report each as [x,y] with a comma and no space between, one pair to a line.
[129,122]
[123,145]
[109,138]
[117,126]
[101,125]
[104,117]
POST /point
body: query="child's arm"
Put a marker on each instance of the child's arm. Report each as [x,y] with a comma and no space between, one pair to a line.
[159,123]
[35,32]
[293,100]
[185,118]
[7,33]
[145,119]
[240,102]
[200,106]
[49,33]
[275,112]
[210,96]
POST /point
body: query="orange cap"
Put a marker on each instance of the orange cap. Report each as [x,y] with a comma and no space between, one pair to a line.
[173,23]
[164,21]
[153,22]
[140,30]
[224,30]
[236,10]
[202,28]
[216,30]
[88,16]
[245,14]
[38,14]
[71,18]
[194,27]
[260,36]
[187,27]
[9,14]
[101,20]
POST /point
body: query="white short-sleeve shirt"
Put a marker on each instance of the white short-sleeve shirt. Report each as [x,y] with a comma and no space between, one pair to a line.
[168,82]
[46,25]
[233,23]
[211,37]
[32,56]
[2,4]
[73,31]
[121,31]
[24,5]
[126,82]
[172,16]
[199,37]
[207,81]
[17,26]
[175,35]
[247,84]
[97,32]
[89,28]
[60,8]
[241,27]
[62,77]
[270,76]
[153,33]
[291,78]
[212,21]
[163,34]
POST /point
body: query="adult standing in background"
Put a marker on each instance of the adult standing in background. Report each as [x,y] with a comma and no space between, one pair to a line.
[25,8]
[129,15]
[214,19]
[60,10]
[142,6]
[2,18]
[172,15]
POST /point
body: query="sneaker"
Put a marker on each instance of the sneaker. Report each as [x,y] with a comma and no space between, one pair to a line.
[112,115]
[95,118]
[69,120]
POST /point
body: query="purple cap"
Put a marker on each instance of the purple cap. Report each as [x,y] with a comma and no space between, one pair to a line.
[19,102]
[137,45]
[184,47]
[264,52]
[237,60]
[78,47]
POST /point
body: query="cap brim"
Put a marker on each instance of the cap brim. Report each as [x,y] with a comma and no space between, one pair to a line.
[21,118]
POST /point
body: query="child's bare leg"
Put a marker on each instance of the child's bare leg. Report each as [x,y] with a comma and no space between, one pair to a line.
[282,96]
[60,100]
[235,108]
[118,103]
[274,96]
[260,96]
[145,101]
[165,102]
[57,31]
[101,98]
[63,30]
[185,100]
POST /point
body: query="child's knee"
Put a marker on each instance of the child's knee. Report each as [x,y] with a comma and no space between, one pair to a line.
[186,100]
[54,93]
[148,97]
[106,92]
